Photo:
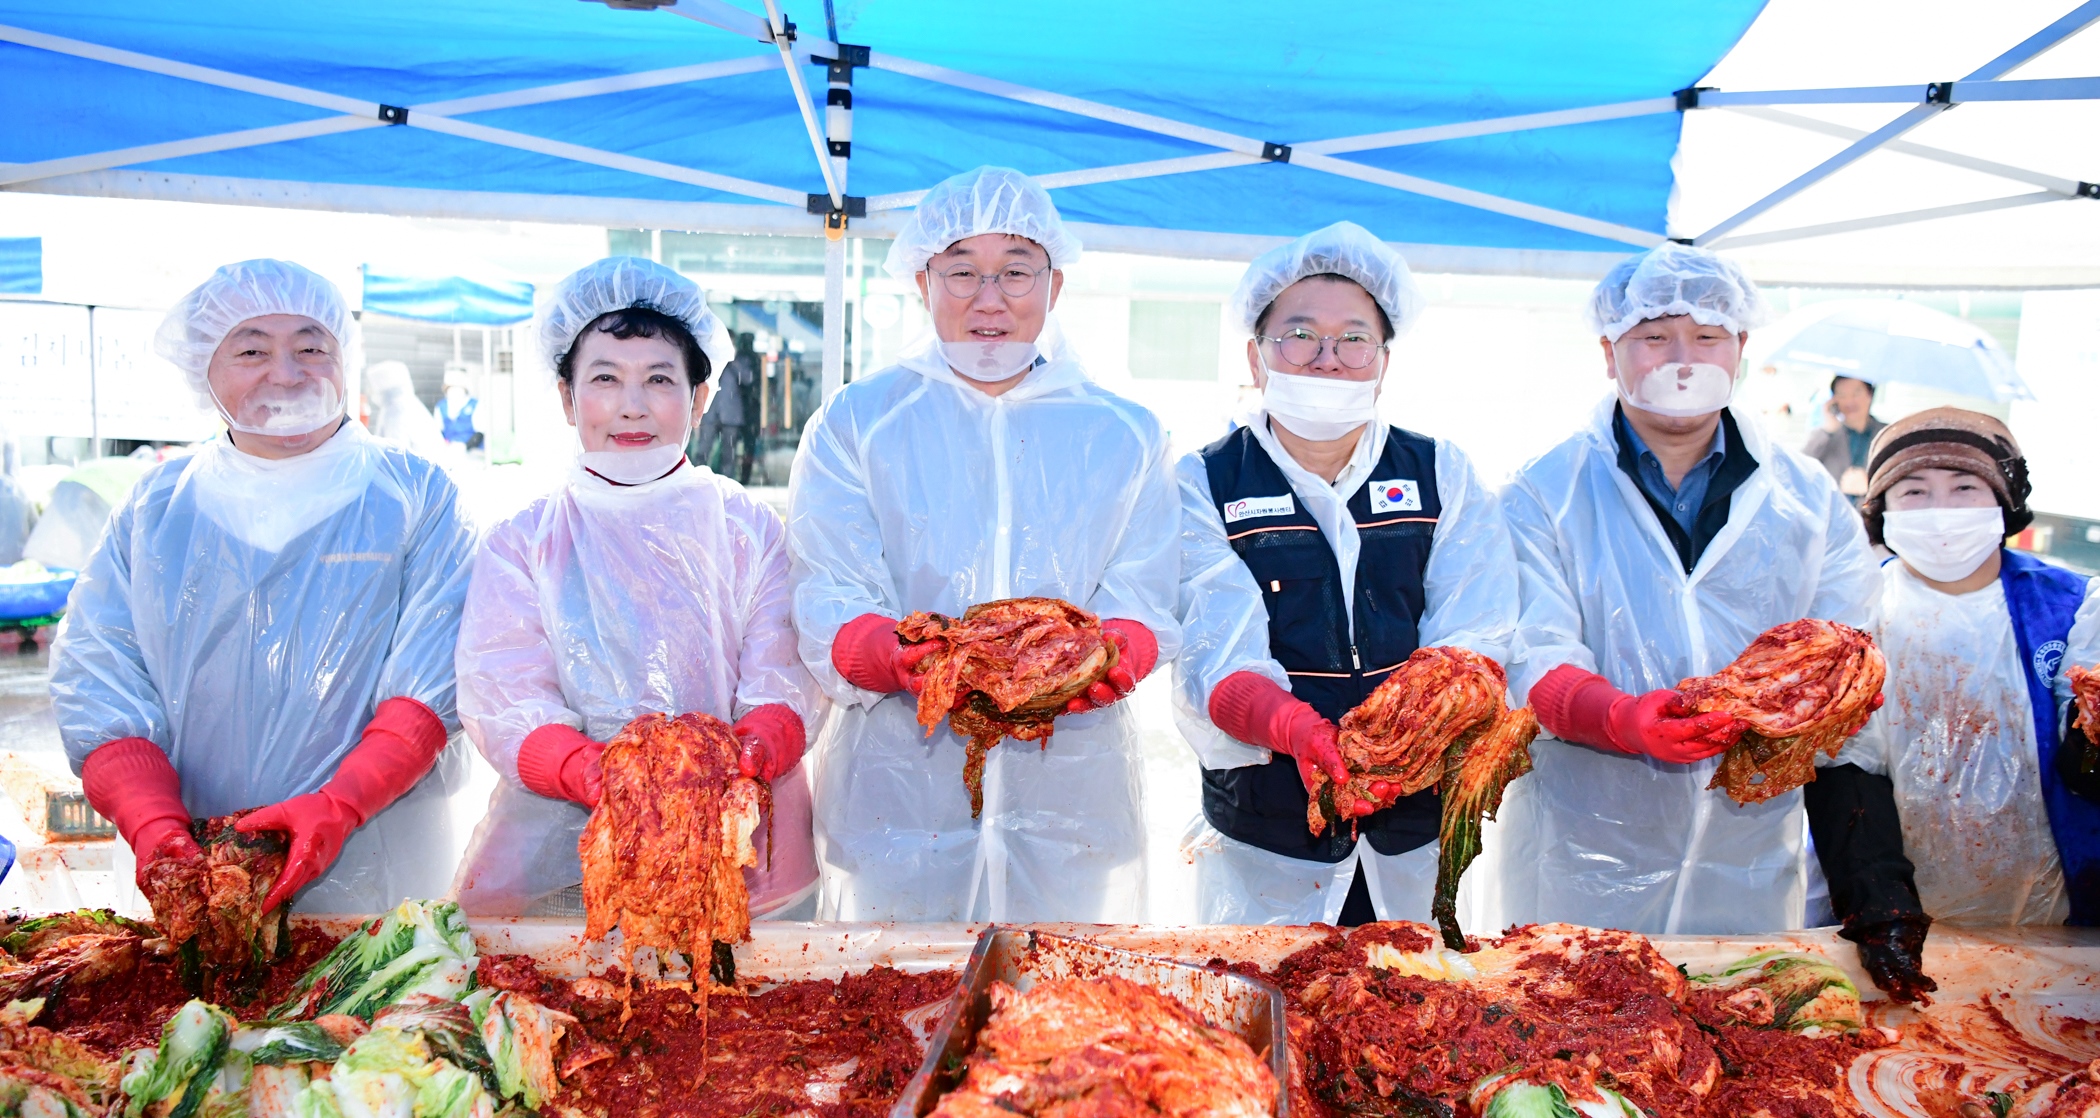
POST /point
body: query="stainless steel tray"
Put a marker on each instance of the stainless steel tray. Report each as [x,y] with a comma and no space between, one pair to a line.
[1021,957]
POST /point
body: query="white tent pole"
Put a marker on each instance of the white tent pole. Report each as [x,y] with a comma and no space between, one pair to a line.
[1804,232]
[202,74]
[1652,106]
[594,87]
[1474,198]
[148,153]
[809,112]
[2057,183]
[2077,20]
[1940,93]
[837,157]
[1077,106]
[368,114]
[580,154]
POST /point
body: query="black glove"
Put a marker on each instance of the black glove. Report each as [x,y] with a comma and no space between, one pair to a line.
[2078,760]
[1893,953]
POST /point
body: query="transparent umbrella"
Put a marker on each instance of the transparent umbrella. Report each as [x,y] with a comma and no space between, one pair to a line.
[1893,341]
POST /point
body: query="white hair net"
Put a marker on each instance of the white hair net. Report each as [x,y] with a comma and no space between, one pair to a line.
[200,320]
[986,200]
[617,283]
[1342,249]
[1674,279]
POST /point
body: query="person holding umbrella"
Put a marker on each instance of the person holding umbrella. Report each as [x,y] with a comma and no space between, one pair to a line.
[1848,429]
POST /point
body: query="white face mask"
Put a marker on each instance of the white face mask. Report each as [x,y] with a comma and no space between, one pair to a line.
[989,362]
[1319,408]
[634,467]
[1679,390]
[286,411]
[1944,545]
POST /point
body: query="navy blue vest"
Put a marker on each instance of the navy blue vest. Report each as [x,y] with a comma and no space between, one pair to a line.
[2043,599]
[1330,667]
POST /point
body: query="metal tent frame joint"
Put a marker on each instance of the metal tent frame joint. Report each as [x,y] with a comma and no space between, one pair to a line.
[1940,93]
[394,114]
[2089,190]
[856,206]
[1688,97]
[1275,153]
[848,57]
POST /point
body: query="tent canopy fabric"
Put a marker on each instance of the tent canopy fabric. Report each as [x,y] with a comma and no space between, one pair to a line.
[457,300]
[1510,136]
[723,127]
[21,265]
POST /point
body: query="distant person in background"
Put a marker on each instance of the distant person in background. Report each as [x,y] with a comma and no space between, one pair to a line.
[395,413]
[455,410]
[16,514]
[1848,430]
[726,428]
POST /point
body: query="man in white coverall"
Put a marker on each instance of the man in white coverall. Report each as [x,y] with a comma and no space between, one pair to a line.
[269,623]
[984,465]
[1321,548]
[1655,545]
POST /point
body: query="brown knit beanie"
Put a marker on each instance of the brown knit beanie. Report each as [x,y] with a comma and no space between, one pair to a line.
[1948,439]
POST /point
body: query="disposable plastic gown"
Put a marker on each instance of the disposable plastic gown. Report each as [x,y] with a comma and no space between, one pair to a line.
[1957,741]
[1470,595]
[597,604]
[248,615]
[1627,842]
[913,491]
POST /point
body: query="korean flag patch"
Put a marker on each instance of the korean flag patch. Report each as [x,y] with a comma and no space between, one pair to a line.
[1403,495]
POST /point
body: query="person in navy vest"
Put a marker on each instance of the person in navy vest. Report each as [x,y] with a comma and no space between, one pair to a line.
[1320,548]
[1964,782]
[1653,545]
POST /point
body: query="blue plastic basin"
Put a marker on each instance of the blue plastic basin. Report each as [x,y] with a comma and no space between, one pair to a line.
[22,600]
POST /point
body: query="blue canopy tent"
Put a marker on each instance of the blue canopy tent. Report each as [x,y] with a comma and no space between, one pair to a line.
[458,300]
[1488,135]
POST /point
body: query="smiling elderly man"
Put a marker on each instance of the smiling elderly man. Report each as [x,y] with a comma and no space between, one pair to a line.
[269,623]
[984,465]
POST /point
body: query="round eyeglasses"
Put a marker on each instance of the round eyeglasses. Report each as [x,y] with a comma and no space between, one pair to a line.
[1301,347]
[965,282]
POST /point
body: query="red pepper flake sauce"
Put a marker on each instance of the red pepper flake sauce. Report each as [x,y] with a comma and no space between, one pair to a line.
[757,1054]
[128,1012]
[1604,1005]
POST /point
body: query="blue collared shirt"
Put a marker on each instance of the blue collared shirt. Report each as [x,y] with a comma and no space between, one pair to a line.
[1685,499]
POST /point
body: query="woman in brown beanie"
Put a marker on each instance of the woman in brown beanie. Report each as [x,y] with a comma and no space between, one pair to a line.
[1972,733]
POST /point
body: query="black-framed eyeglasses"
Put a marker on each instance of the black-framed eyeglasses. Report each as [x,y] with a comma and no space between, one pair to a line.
[965,282]
[1302,347]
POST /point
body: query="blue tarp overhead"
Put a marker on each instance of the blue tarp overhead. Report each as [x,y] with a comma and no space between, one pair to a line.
[451,299]
[21,265]
[1286,73]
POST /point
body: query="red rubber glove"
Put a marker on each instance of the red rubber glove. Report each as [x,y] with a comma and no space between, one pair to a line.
[1137,653]
[560,762]
[773,738]
[1582,707]
[1253,709]
[869,655]
[399,745]
[132,784]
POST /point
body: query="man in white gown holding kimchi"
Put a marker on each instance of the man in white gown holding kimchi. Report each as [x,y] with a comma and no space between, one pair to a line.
[1655,545]
[984,465]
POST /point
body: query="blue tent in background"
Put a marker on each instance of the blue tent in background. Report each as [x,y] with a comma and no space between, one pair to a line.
[21,265]
[1482,135]
[458,300]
